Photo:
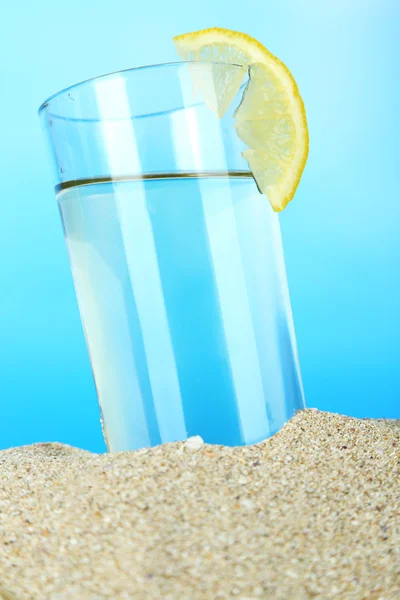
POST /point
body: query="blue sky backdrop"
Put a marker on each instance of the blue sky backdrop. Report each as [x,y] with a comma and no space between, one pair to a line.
[341,234]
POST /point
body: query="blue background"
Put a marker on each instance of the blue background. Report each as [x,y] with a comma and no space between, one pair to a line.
[341,235]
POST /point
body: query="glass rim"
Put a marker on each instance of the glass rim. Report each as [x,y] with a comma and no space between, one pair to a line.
[74,86]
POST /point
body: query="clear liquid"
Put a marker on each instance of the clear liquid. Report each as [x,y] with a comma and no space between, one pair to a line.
[182,291]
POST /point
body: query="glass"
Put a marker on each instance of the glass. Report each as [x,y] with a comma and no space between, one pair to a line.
[176,257]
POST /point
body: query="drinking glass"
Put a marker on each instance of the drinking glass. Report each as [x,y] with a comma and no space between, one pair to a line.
[176,257]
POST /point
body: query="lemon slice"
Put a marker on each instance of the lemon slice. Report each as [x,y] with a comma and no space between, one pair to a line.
[271,119]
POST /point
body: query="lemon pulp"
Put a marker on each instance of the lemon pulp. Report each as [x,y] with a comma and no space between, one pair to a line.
[271,119]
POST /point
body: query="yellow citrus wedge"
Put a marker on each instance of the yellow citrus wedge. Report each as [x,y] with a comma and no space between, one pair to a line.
[271,119]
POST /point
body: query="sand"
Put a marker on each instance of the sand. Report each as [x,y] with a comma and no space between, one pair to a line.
[313,512]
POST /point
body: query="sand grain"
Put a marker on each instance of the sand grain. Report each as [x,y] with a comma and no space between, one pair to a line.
[314,512]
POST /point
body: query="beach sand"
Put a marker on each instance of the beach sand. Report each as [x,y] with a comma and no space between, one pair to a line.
[313,512]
